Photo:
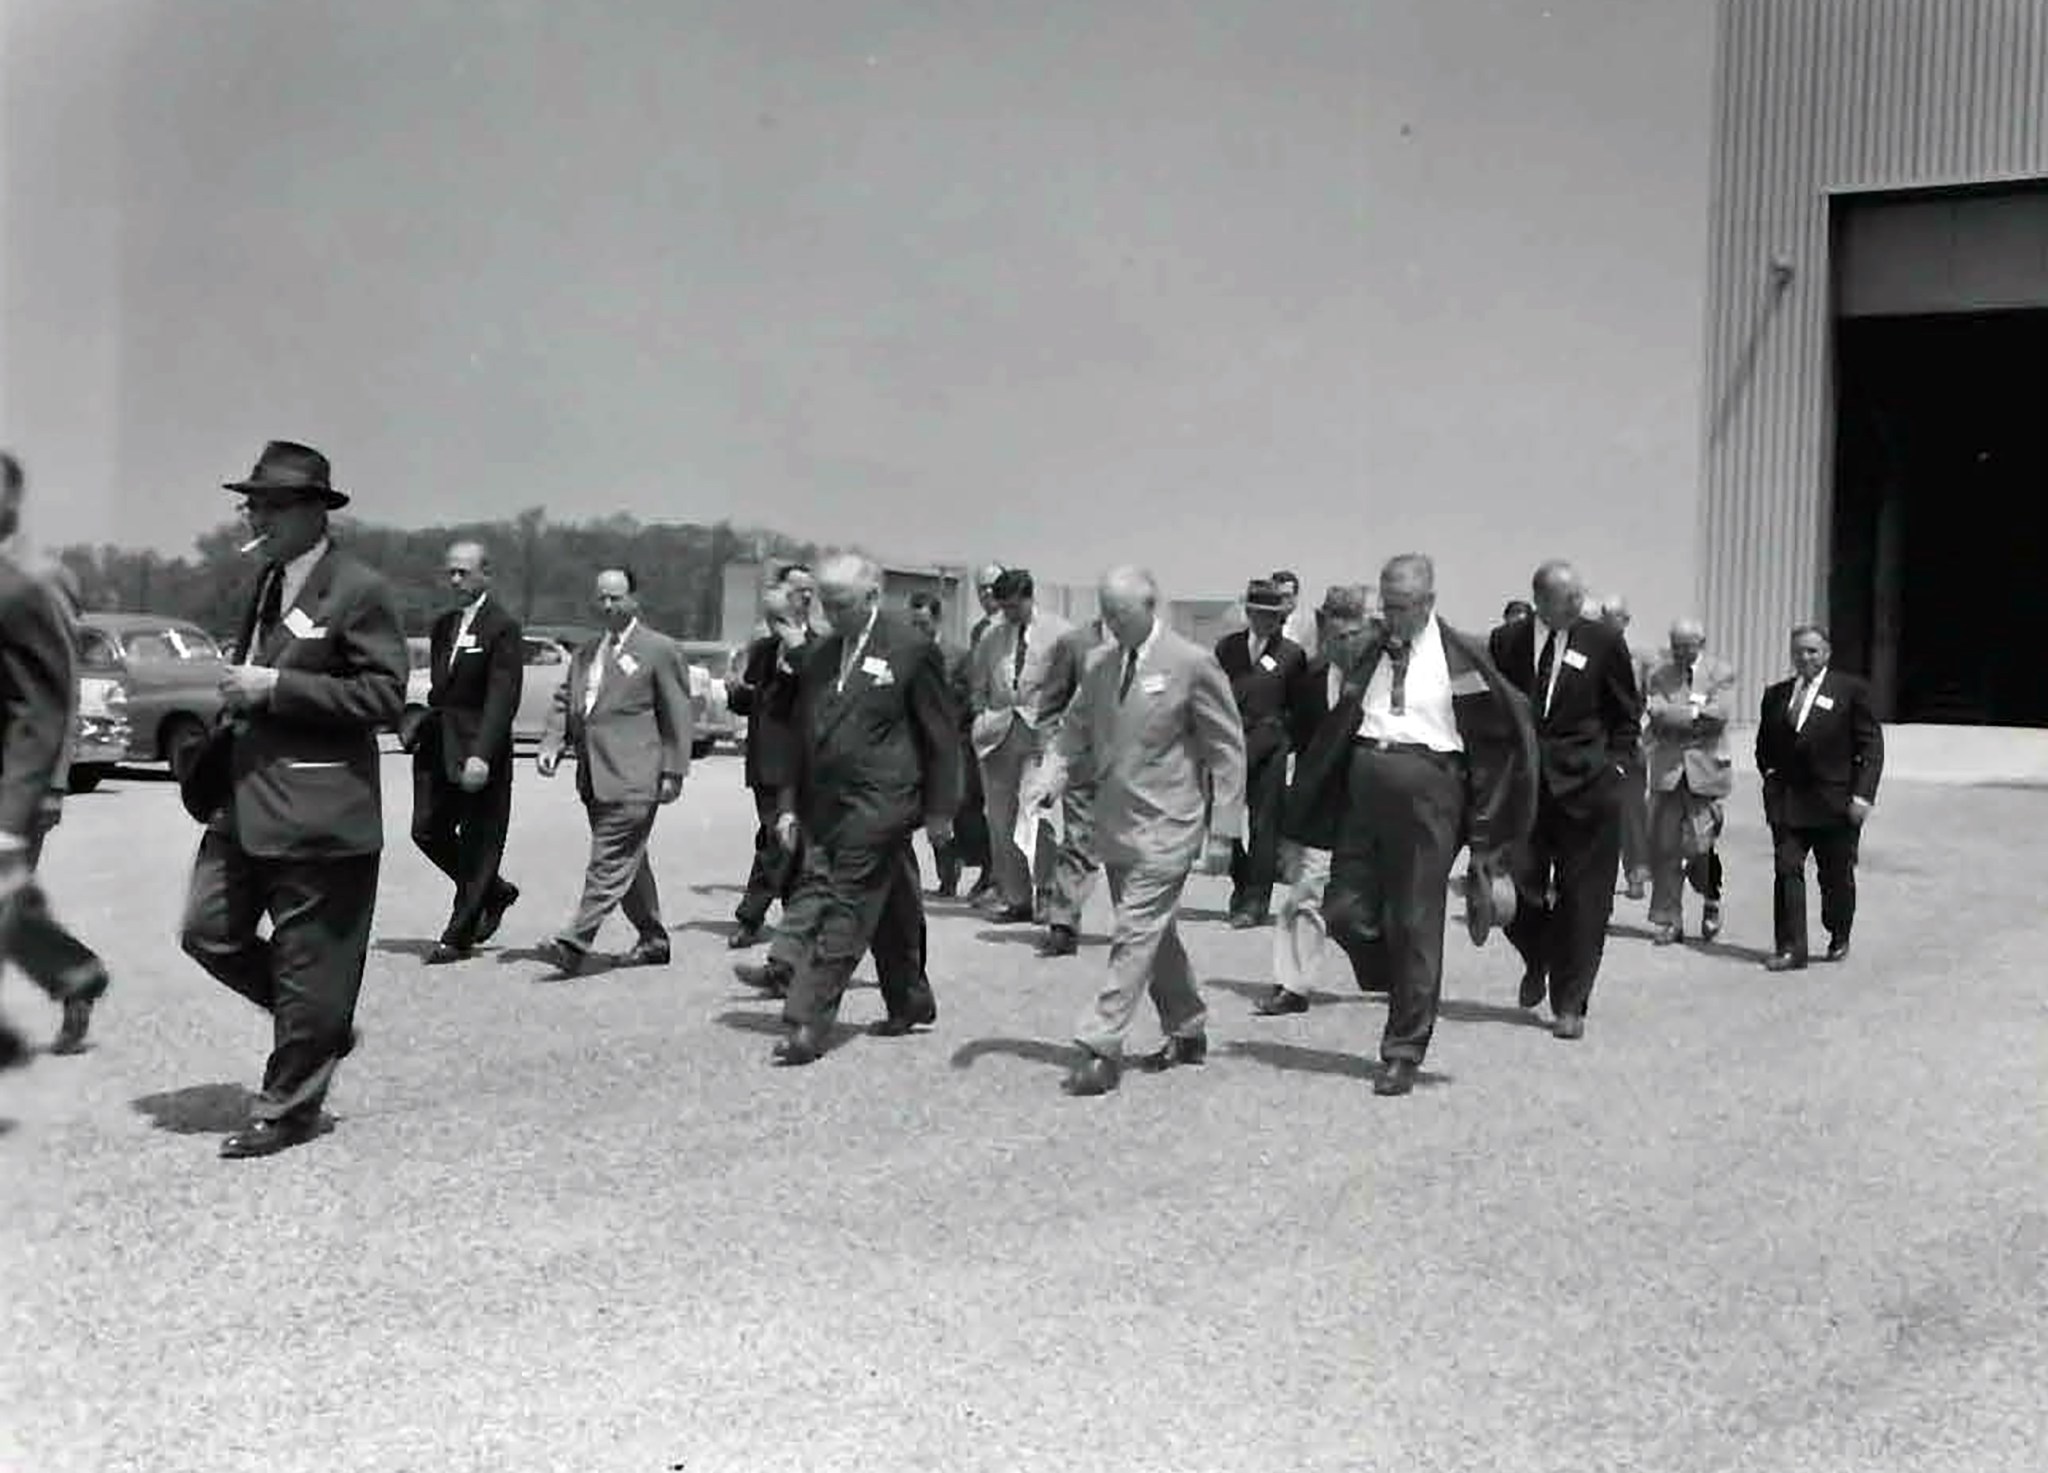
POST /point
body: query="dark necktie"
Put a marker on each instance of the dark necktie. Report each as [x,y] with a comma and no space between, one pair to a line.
[1544,664]
[1398,655]
[269,609]
[1017,660]
[1130,670]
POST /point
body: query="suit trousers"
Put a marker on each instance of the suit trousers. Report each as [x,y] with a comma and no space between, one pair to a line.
[1254,860]
[1390,879]
[1002,777]
[34,940]
[970,820]
[1564,890]
[1074,866]
[774,870]
[619,876]
[803,909]
[1636,860]
[1834,849]
[869,901]
[1684,828]
[1299,933]
[1145,957]
[307,974]
[463,834]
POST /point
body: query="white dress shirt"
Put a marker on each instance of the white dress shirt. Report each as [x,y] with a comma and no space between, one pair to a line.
[855,649]
[462,625]
[607,647]
[1543,632]
[1802,699]
[1425,718]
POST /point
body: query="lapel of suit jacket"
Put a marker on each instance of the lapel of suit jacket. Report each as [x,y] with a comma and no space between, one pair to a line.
[441,652]
[838,701]
[1820,689]
[310,594]
[612,679]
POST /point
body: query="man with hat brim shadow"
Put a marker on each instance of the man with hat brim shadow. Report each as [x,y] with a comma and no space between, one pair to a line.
[1265,670]
[1428,750]
[289,792]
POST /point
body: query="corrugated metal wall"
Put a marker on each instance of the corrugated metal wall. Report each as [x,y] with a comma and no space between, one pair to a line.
[1814,98]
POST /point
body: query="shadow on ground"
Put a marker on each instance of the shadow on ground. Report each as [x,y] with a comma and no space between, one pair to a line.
[1032,1050]
[1295,1059]
[1254,991]
[404,946]
[198,1109]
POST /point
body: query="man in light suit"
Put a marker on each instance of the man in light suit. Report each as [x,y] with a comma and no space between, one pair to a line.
[1691,774]
[38,708]
[462,752]
[1820,752]
[1021,679]
[1428,750]
[878,757]
[290,794]
[625,713]
[1265,669]
[1155,731]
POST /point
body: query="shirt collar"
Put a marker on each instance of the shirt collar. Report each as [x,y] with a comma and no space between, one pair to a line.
[619,640]
[1145,648]
[296,570]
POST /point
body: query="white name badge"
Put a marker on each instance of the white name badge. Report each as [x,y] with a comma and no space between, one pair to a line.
[1826,703]
[465,644]
[628,665]
[1152,685]
[1574,659]
[1698,698]
[874,666]
[1470,683]
[1268,663]
[301,626]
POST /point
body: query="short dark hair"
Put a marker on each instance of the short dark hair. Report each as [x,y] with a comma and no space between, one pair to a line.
[11,474]
[1288,576]
[632,578]
[790,570]
[1806,627]
[1515,607]
[927,601]
[1014,583]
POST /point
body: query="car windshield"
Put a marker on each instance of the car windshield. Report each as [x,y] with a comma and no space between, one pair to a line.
[163,645]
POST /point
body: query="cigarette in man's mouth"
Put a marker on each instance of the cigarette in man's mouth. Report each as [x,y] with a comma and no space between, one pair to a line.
[252,544]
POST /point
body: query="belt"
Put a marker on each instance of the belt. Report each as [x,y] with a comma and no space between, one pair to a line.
[1416,749]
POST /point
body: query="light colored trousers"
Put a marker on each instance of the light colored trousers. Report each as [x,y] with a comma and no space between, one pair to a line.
[619,876]
[1002,776]
[1145,957]
[1299,935]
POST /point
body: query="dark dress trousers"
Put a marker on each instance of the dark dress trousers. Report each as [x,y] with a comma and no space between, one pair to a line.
[1263,689]
[876,757]
[1395,817]
[301,833]
[38,701]
[1587,735]
[766,696]
[470,705]
[1809,775]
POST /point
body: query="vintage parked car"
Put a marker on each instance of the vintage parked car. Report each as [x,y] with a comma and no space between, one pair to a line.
[710,664]
[169,671]
[99,738]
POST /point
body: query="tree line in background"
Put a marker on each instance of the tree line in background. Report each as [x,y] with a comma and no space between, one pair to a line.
[543,570]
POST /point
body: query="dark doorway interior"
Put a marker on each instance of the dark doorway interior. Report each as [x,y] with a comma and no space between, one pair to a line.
[1938,586]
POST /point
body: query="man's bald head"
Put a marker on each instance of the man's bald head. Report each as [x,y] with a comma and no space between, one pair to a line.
[1407,594]
[1129,597]
[1559,592]
[849,586]
[1688,638]
[1614,612]
[468,570]
[985,586]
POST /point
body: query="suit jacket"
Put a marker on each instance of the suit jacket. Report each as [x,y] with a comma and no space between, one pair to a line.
[302,769]
[475,691]
[1502,760]
[1308,702]
[1051,673]
[766,696]
[1262,691]
[1165,761]
[38,703]
[1688,726]
[1593,730]
[640,729]
[883,754]
[1811,774]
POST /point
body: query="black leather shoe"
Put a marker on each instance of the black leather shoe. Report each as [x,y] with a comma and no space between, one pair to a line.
[748,934]
[1280,1001]
[1094,1075]
[13,1048]
[805,1045]
[922,1014]
[1569,1026]
[647,952]
[1011,915]
[1667,936]
[267,1138]
[1710,921]
[563,957]
[443,954]
[1396,1077]
[494,914]
[772,977]
[1176,1051]
[78,1004]
[1838,949]
[1533,988]
[1786,961]
[1059,941]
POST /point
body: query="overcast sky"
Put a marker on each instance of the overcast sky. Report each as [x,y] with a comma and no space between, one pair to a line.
[1214,286]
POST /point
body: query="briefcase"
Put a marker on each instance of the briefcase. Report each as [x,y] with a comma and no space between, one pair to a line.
[208,780]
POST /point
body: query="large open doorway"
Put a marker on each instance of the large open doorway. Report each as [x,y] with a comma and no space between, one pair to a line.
[1938,586]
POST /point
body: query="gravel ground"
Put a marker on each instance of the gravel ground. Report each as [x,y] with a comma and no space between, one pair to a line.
[1750,1223]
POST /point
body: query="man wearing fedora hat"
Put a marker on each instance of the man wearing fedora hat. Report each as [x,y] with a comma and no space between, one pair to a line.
[1265,669]
[290,795]
[1427,750]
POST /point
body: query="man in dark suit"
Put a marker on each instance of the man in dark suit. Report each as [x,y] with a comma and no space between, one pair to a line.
[624,712]
[296,830]
[1265,668]
[38,704]
[880,755]
[971,839]
[462,752]
[1428,750]
[1581,688]
[1514,612]
[766,695]
[969,844]
[1309,828]
[1820,753]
